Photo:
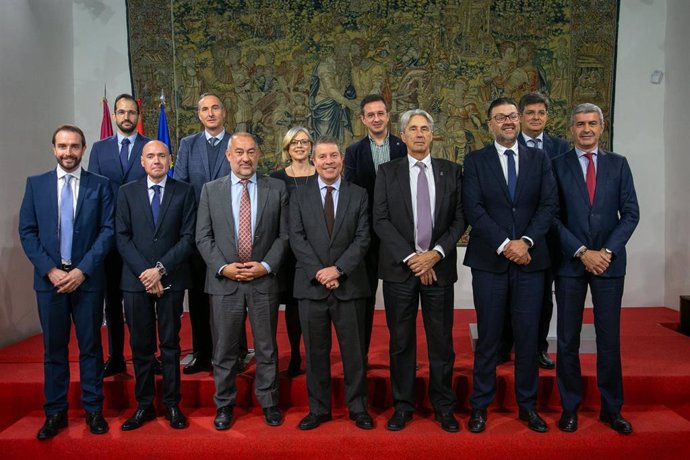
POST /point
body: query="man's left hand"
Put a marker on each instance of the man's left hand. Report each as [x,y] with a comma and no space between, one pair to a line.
[251,271]
[150,277]
[70,282]
[515,251]
[326,275]
[423,262]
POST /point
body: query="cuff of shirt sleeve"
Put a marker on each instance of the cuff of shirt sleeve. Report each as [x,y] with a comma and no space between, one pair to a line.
[266,266]
[500,249]
[440,250]
[528,240]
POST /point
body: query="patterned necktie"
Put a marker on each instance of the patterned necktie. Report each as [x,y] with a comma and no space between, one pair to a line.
[124,155]
[535,143]
[328,209]
[591,177]
[156,203]
[512,173]
[244,234]
[423,209]
[213,141]
[66,219]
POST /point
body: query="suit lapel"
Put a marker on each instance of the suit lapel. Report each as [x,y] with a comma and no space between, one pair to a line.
[403,178]
[342,205]
[602,173]
[576,169]
[215,169]
[262,191]
[494,165]
[524,170]
[440,181]
[200,149]
[368,159]
[145,201]
[226,189]
[315,210]
[52,200]
[168,193]
[83,187]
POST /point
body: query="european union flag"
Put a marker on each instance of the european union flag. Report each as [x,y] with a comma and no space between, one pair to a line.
[163,134]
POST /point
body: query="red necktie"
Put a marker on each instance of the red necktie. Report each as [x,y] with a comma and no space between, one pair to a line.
[244,234]
[591,177]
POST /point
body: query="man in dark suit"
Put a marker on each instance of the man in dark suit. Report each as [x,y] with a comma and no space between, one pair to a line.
[418,217]
[510,204]
[534,113]
[69,278]
[118,159]
[598,214]
[329,234]
[201,159]
[242,234]
[362,161]
[154,224]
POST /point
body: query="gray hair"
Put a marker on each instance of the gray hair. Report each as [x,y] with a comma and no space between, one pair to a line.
[405,118]
[586,108]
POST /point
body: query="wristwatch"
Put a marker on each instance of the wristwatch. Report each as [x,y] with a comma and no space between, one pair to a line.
[161,269]
[340,270]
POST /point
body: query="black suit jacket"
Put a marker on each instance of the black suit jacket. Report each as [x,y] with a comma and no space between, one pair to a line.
[552,145]
[171,242]
[492,214]
[609,223]
[359,165]
[394,221]
[345,248]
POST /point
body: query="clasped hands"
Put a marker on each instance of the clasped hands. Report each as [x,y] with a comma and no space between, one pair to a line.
[244,271]
[66,282]
[596,262]
[422,265]
[328,277]
[151,279]
[517,251]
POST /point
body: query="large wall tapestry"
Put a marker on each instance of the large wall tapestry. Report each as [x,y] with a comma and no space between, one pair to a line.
[278,64]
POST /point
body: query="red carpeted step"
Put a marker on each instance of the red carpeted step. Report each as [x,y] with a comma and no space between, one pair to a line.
[659,433]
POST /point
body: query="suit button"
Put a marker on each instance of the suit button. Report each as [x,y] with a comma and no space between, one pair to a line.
[513,209]
[155,239]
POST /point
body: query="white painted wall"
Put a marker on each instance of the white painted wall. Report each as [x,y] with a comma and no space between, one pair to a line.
[57,55]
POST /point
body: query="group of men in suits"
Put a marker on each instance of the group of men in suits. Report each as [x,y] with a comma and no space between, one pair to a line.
[383,210]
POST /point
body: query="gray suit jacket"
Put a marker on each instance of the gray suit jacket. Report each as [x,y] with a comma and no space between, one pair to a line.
[345,248]
[215,232]
[191,163]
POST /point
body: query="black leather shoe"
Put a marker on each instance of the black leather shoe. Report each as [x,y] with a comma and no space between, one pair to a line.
[157,366]
[545,361]
[477,422]
[448,422]
[113,367]
[52,426]
[568,422]
[362,420]
[617,422]
[139,418]
[176,417]
[197,365]
[399,419]
[312,421]
[223,418]
[96,423]
[534,421]
[273,416]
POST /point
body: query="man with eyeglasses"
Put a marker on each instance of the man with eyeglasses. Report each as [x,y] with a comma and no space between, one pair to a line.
[362,161]
[510,201]
[201,159]
[534,113]
[118,158]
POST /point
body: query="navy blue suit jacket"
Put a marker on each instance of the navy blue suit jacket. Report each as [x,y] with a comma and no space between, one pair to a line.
[104,159]
[394,221]
[554,146]
[609,223]
[359,165]
[191,164]
[93,228]
[171,242]
[492,214]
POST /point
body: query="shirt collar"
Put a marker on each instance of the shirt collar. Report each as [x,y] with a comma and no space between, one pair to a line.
[501,150]
[235,180]
[373,141]
[527,138]
[218,136]
[150,183]
[581,153]
[335,185]
[132,138]
[62,173]
[413,161]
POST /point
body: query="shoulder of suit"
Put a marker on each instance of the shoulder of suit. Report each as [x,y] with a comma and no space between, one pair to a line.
[192,137]
[271,181]
[108,140]
[93,176]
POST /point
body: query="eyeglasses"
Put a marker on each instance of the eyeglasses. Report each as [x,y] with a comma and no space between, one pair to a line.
[501,118]
[296,142]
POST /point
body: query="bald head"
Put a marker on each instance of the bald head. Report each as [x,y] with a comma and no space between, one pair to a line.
[155,159]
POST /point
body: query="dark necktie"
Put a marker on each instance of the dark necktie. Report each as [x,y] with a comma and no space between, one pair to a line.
[328,209]
[66,219]
[512,173]
[423,209]
[124,155]
[535,143]
[591,177]
[156,203]
[213,141]
[244,233]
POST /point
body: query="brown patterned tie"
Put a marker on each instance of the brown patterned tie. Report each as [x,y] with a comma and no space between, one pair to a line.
[244,234]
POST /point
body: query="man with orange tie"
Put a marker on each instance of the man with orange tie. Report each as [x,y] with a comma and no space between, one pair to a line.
[598,214]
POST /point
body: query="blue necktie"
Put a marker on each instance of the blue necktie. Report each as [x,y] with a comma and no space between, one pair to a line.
[66,219]
[512,173]
[156,203]
[124,155]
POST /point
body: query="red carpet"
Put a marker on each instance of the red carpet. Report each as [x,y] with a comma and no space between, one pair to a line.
[656,369]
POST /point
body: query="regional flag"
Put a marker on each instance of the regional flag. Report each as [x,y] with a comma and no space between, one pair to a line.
[106,122]
[140,123]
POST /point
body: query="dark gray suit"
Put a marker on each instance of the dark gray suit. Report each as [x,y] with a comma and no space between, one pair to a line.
[344,306]
[231,300]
